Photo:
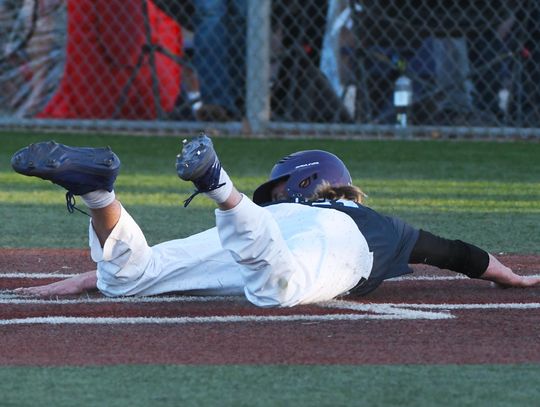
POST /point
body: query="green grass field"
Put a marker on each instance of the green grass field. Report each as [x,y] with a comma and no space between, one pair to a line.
[484,192]
[270,386]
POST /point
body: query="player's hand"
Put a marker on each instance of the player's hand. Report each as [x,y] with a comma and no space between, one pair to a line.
[65,287]
[71,286]
[503,277]
[520,282]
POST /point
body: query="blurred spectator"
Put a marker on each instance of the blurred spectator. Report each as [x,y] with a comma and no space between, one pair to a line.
[506,72]
[300,91]
[491,52]
[445,86]
[301,22]
[214,58]
[526,29]
[433,40]
[219,56]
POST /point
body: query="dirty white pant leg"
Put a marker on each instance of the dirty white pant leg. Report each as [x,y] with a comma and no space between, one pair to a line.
[122,259]
[255,241]
[197,264]
[126,265]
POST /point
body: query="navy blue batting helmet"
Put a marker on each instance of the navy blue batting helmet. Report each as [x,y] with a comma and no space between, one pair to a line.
[303,172]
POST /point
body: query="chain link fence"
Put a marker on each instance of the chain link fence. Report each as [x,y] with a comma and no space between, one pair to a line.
[291,67]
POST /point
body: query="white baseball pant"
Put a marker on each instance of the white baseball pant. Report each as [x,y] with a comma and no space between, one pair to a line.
[280,255]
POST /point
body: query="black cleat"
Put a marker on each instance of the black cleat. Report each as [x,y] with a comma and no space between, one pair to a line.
[78,169]
[199,163]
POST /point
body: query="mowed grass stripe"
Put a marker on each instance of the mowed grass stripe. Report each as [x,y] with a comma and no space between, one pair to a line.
[274,385]
[419,196]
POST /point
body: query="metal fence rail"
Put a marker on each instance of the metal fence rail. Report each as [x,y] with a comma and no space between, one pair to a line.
[344,68]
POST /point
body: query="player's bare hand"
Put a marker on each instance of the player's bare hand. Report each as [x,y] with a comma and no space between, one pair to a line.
[71,286]
[64,287]
[520,282]
[503,277]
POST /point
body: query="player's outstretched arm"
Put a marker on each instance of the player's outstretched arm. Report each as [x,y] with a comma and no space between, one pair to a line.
[74,285]
[505,277]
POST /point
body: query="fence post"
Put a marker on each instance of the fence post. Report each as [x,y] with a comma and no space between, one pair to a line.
[258,65]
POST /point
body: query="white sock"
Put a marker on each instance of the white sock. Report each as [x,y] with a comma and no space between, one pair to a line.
[98,199]
[222,193]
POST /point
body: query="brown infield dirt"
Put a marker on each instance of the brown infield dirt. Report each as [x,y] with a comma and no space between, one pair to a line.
[506,331]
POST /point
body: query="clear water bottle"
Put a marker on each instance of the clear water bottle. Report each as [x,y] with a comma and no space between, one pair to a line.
[403,94]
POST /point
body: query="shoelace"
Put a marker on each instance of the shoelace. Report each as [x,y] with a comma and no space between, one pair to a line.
[197,192]
[70,203]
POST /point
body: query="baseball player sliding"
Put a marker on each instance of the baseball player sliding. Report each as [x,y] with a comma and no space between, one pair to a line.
[304,238]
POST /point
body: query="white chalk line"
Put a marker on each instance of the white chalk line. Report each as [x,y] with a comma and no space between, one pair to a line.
[355,306]
[496,306]
[36,275]
[10,298]
[437,278]
[374,311]
[427,278]
[62,320]
[389,311]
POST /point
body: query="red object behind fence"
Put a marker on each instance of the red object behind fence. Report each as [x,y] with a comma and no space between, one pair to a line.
[105,38]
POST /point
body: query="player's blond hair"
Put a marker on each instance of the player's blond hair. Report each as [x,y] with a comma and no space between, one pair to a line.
[348,192]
